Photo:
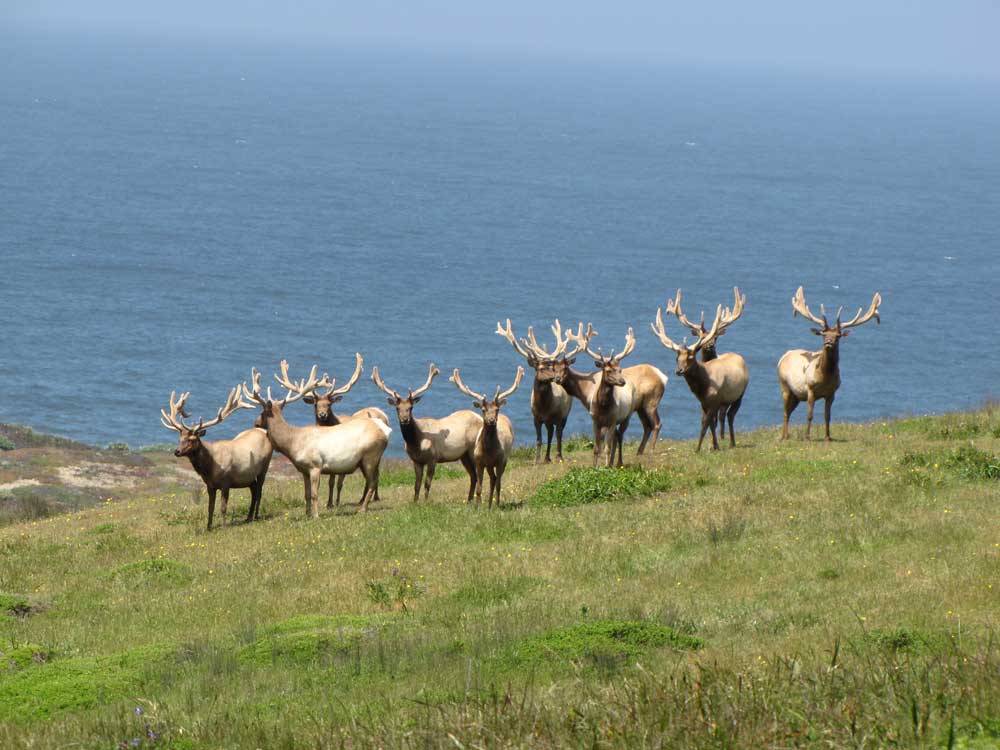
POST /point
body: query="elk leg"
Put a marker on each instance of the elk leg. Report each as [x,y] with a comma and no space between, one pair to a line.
[428,478]
[790,402]
[704,429]
[647,428]
[809,414]
[712,422]
[340,486]
[731,414]
[479,486]
[827,406]
[620,442]
[260,494]
[598,441]
[548,445]
[370,474]
[538,440]
[329,494]
[211,506]
[312,493]
[500,470]
[723,410]
[225,505]
[254,489]
[559,433]
[493,486]
[469,464]
[418,472]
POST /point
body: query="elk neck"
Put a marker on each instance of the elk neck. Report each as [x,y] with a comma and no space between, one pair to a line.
[579,386]
[410,432]
[202,461]
[605,395]
[829,359]
[543,393]
[697,379]
[489,438]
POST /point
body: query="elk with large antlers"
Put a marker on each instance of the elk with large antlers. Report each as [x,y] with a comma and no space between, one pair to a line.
[433,441]
[807,376]
[315,450]
[322,404]
[496,437]
[708,352]
[550,403]
[612,394]
[718,384]
[224,464]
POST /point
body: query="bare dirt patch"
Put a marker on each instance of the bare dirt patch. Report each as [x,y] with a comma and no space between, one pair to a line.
[97,475]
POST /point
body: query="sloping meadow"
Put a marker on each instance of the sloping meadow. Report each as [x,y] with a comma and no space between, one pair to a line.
[779,594]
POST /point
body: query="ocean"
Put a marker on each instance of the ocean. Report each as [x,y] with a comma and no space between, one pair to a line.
[173,214]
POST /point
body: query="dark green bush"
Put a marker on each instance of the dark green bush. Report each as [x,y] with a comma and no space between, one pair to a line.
[601,485]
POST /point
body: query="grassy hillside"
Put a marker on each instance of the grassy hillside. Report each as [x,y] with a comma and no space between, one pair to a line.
[776,595]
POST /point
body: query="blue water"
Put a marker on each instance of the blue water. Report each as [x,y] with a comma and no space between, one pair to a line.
[171,215]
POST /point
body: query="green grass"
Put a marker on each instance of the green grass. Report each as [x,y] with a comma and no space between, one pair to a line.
[782,594]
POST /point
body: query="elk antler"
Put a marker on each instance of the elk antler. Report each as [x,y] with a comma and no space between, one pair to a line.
[382,386]
[517,381]
[799,306]
[709,335]
[432,372]
[541,353]
[457,380]
[298,389]
[661,332]
[674,308]
[350,383]
[233,403]
[173,421]
[629,346]
[581,338]
[508,334]
[858,319]
[730,316]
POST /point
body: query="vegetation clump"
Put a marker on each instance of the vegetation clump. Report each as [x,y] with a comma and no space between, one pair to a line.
[310,639]
[903,639]
[494,591]
[157,570]
[601,485]
[966,462]
[627,639]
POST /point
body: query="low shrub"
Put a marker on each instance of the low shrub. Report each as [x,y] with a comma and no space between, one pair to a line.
[157,570]
[966,462]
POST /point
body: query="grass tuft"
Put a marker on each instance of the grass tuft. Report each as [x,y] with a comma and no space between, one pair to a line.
[158,570]
[600,485]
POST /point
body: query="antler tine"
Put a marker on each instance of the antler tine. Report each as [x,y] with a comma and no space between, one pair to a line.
[233,403]
[561,342]
[508,334]
[252,392]
[799,307]
[674,308]
[173,421]
[517,381]
[661,332]
[377,379]
[860,319]
[544,354]
[297,389]
[704,338]
[432,372]
[350,383]
[629,345]
[580,339]
[731,316]
[457,380]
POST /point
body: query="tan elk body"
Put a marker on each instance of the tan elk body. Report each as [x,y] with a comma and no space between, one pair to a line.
[612,394]
[496,437]
[805,375]
[315,450]
[550,403]
[718,384]
[322,404]
[430,442]
[223,465]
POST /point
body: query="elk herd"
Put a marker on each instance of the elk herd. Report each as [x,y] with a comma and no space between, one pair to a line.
[482,439]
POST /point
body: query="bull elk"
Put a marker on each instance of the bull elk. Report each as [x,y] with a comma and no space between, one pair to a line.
[718,384]
[322,404]
[222,464]
[430,442]
[316,450]
[807,376]
[708,352]
[496,437]
[550,403]
[612,394]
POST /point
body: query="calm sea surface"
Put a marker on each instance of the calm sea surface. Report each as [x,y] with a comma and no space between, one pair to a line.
[170,216]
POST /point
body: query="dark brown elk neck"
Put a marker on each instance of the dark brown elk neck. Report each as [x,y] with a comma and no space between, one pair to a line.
[829,359]
[573,384]
[708,353]
[490,438]
[202,461]
[280,433]
[331,420]
[411,433]
[604,396]
[698,381]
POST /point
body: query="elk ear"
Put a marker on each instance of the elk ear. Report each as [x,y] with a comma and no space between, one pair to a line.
[336,399]
[569,361]
[501,402]
[816,331]
[416,399]
[393,401]
[599,364]
[309,400]
[478,404]
[200,433]
[845,332]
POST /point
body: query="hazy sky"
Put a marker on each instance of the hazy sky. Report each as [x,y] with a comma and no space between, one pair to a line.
[946,37]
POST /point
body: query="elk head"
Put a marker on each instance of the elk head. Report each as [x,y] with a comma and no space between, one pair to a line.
[189,440]
[832,334]
[404,406]
[322,403]
[686,355]
[560,367]
[490,409]
[729,316]
[610,366]
[270,409]
[537,357]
